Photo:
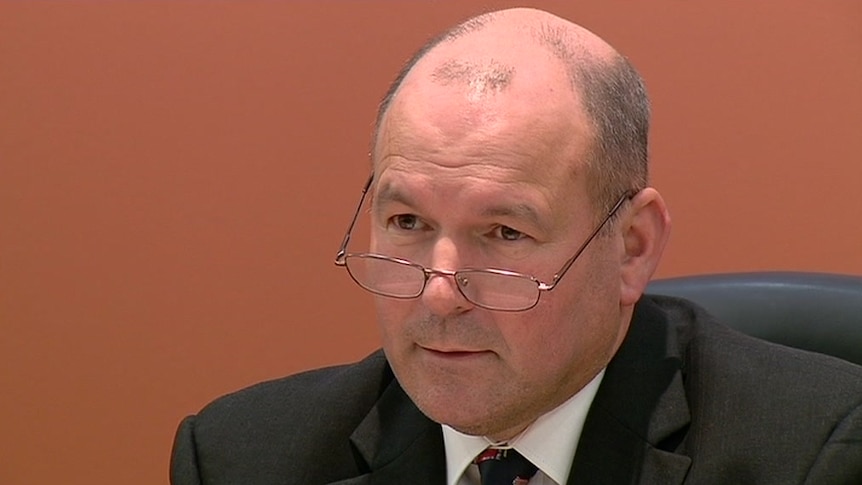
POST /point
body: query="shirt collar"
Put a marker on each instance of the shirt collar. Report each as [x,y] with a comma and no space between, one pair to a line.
[549,442]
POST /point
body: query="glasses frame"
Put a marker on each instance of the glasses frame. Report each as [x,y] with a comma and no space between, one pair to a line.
[342,254]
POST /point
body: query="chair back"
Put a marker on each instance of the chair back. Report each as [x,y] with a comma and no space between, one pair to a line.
[812,311]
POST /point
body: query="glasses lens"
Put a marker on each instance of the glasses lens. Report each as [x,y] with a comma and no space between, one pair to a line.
[385,276]
[498,291]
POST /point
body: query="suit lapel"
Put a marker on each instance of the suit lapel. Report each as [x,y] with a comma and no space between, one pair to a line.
[640,414]
[398,444]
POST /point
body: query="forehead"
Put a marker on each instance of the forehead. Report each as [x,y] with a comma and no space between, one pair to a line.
[510,111]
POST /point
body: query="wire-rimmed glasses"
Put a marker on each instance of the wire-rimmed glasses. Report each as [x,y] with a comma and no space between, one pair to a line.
[488,288]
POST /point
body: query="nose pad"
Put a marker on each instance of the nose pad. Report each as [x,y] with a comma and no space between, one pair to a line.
[442,296]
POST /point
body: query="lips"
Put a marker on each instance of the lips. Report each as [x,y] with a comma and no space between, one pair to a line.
[454,353]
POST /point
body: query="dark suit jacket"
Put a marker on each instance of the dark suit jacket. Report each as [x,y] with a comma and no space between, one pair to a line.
[685,400]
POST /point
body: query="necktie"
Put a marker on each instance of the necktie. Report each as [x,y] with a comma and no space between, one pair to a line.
[504,466]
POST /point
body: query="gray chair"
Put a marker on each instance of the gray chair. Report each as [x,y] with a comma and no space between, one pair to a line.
[812,311]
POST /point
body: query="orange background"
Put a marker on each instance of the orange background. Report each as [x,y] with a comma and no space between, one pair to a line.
[175,179]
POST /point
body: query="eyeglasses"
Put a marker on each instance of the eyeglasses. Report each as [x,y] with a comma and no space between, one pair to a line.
[488,288]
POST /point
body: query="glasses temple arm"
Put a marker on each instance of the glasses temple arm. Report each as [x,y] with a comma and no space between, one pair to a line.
[339,256]
[626,196]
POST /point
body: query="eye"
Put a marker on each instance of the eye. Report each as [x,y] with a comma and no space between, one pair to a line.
[506,233]
[406,222]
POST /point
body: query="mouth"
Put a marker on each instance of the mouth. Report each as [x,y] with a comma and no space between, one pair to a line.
[455,354]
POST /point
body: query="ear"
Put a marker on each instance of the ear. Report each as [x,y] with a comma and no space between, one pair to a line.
[645,230]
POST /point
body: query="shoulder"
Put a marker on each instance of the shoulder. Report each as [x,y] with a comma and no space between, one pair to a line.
[772,402]
[313,402]
[719,355]
[298,426]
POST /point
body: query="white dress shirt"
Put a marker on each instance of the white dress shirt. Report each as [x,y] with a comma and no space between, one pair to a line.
[549,442]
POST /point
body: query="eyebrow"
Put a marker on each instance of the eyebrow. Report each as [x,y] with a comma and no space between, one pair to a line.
[389,194]
[521,211]
[517,211]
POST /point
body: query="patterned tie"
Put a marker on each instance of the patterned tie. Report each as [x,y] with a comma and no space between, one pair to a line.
[504,466]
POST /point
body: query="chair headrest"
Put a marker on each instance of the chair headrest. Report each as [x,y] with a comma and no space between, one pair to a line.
[813,311]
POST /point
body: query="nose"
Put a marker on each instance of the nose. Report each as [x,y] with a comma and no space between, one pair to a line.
[442,296]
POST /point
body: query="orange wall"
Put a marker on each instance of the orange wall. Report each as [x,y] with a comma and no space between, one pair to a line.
[175,179]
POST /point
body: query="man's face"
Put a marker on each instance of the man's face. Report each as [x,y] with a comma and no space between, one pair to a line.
[492,178]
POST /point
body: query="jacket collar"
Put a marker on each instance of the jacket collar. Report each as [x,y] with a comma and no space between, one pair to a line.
[396,443]
[640,415]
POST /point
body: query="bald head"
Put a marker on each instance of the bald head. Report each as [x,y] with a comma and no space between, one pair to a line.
[486,54]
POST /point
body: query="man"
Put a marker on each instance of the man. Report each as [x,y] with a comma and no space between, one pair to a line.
[512,236]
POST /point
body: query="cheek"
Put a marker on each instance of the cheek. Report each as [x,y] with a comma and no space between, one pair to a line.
[569,338]
[556,339]
[386,312]
[392,318]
